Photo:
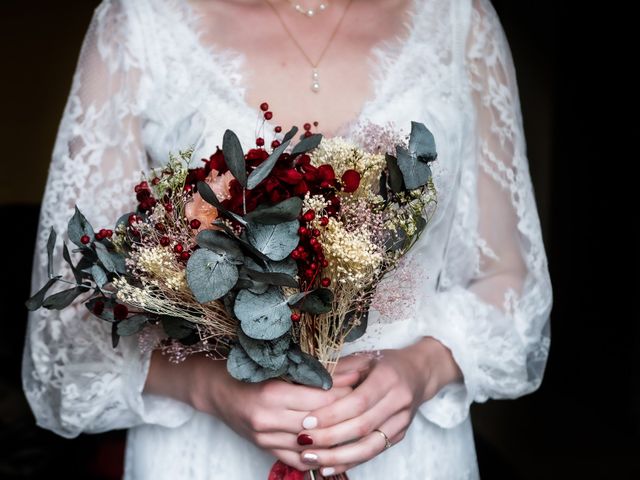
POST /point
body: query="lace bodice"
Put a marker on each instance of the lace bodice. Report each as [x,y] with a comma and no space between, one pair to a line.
[478,281]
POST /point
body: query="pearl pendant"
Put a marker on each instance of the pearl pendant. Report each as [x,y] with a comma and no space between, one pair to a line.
[315,84]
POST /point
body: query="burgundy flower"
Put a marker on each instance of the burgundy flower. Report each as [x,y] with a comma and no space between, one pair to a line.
[120,311]
[350,180]
[217,162]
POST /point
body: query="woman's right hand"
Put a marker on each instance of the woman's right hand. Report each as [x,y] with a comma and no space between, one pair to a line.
[269,413]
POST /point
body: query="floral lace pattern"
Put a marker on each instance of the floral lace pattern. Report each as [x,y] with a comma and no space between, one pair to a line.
[477,280]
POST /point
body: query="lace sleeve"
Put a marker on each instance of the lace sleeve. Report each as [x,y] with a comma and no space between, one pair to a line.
[74,380]
[494,295]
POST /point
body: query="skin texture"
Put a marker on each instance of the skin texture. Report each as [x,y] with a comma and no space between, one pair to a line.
[369,391]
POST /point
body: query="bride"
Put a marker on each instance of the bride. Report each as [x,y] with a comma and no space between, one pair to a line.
[464,320]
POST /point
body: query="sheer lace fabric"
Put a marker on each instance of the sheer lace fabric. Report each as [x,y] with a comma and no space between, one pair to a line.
[477,280]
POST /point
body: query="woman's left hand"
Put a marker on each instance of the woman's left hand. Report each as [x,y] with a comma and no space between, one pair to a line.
[391,387]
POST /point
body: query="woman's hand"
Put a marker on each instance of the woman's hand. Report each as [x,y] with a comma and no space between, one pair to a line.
[269,414]
[391,387]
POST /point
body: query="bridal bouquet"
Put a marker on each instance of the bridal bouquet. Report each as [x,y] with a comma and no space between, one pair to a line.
[269,259]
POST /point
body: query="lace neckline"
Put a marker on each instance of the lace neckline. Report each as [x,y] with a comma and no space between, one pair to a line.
[383,58]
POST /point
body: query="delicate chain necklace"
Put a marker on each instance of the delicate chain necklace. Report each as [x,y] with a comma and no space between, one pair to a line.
[315,75]
[309,12]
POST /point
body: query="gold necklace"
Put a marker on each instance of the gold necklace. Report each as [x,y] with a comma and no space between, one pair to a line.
[315,75]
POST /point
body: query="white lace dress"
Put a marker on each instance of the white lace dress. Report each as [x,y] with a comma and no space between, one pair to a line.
[477,280]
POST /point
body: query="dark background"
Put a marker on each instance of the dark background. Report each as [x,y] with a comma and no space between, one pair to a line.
[584,422]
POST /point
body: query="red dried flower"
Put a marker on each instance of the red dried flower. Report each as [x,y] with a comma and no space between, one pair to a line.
[350,180]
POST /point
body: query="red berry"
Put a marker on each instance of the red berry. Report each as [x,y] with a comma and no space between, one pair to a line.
[325,282]
[300,248]
[259,141]
[295,317]
[313,242]
[99,236]
[178,248]
[109,233]
[84,239]
[195,224]
[268,115]
[155,181]
[324,221]
[278,129]
[264,106]
[188,188]
[307,126]
[309,215]
[165,241]
[275,144]
[316,232]
[325,263]
[295,254]
[160,227]
[315,124]
[303,231]
[185,256]
[313,266]
[309,273]
[133,218]
[168,207]
[307,134]
[335,200]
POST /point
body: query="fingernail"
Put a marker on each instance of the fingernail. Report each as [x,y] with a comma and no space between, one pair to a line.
[326,471]
[309,422]
[310,458]
[304,439]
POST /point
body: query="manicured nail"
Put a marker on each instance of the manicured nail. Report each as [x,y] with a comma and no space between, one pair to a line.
[310,458]
[304,439]
[309,422]
[326,471]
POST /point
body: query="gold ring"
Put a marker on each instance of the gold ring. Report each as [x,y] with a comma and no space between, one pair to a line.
[387,443]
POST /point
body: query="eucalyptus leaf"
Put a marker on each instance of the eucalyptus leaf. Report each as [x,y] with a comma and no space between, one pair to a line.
[51,243]
[242,241]
[275,241]
[63,299]
[307,370]
[67,258]
[283,211]
[245,281]
[306,144]
[119,261]
[422,145]
[271,354]
[288,266]
[355,324]
[262,171]
[177,328]
[78,227]
[396,240]
[263,317]
[382,186]
[106,312]
[210,275]
[315,301]
[241,367]
[115,338]
[35,302]
[209,196]
[99,276]
[132,325]
[105,257]
[414,172]
[290,134]
[234,157]
[222,244]
[272,278]
[395,175]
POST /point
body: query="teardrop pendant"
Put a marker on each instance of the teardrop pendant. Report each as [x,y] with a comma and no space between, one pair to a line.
[315,84]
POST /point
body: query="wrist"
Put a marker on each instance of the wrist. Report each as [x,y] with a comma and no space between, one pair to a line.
[436,365]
